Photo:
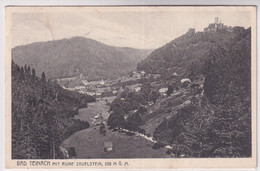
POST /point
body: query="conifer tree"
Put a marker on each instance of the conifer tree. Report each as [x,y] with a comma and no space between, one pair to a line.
[43,78]
[33,73]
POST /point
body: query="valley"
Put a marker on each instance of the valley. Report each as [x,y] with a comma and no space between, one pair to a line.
[89,143]
[189,98]
[127,143]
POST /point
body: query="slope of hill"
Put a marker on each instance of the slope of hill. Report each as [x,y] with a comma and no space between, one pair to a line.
[189,51]
[42,115]
[78,55]
[214,120]
[219,123]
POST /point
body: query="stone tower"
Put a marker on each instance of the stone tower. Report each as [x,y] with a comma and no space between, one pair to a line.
[216,20]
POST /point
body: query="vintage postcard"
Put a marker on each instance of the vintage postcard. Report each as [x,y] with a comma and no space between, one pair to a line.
[123,87]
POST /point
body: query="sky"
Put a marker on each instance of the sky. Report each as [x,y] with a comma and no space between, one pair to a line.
[137,27]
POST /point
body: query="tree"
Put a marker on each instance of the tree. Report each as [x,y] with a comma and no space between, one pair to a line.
[43,77]
[116,121]
[170,90]
[29,71]
[72,152]
[33,73]
[154,96]
[116,118]
[102,129]
[146,90]
[134,121]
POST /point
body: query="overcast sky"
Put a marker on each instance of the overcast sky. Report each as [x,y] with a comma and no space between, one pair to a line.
[142,28]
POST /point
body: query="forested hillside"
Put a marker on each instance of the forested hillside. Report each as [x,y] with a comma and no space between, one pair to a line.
[42,114]
[221,125]
[78,55]
[215,120]
[190,51]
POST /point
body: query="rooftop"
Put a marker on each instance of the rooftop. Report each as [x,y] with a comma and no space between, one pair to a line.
[108,144]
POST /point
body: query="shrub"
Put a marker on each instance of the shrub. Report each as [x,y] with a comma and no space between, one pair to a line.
[157,146]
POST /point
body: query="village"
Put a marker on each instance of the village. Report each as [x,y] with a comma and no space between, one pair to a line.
[173,91]
[184,92]
[109,88]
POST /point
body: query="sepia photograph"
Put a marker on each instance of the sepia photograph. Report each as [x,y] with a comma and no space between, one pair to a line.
[107,87]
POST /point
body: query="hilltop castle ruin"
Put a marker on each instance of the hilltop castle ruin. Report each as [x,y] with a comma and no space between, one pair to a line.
[217,25]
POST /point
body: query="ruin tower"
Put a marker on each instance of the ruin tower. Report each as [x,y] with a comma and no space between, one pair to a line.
[216,20]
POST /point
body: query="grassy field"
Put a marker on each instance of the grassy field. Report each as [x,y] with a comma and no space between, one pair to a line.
[93,109]
[89,143]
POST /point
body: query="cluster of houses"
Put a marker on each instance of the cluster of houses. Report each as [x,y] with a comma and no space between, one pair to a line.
[103,88]
[92,88]
[133,87]
[97,88]
[187,83]
[132,76]
[136,74]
